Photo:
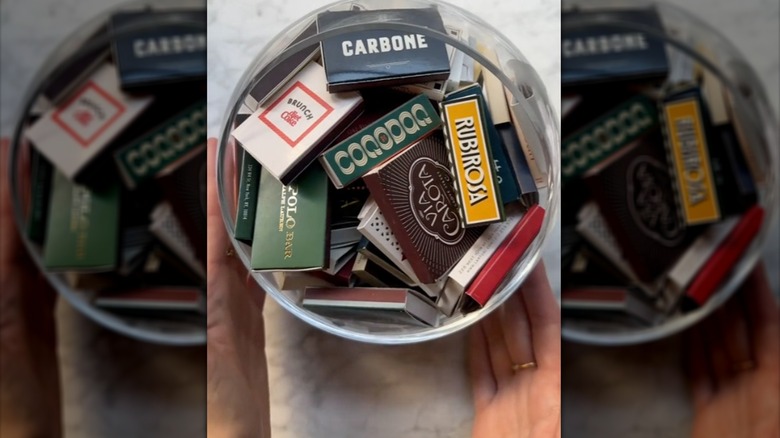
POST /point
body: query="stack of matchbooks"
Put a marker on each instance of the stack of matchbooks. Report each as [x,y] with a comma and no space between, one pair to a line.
[384,174]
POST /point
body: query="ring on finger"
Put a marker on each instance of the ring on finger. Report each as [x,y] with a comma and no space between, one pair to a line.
[523,366]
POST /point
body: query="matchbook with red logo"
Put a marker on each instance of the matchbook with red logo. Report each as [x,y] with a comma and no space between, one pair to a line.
[295,125]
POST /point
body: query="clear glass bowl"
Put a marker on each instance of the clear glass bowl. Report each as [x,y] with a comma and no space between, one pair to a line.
[704,44]
[545,124]
[169,332]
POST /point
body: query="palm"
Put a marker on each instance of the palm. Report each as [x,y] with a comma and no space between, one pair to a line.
[530,406]
[29,381]
[525,402]
[734,365]
[741,409]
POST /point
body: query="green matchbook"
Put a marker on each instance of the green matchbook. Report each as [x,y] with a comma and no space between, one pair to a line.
[41,176]
[355,156]
[247,197]
[164,147]
[291,223]
[83,227]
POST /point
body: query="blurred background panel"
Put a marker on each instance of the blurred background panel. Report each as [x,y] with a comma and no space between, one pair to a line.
[641,391]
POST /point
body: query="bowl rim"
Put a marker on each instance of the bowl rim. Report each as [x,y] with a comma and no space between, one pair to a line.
[522,268]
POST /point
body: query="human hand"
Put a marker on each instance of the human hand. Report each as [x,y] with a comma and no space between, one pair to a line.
[29,371]
[237,372]
[733,360]
[510,401]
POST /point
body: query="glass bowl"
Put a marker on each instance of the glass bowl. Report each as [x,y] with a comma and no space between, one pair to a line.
[540,113]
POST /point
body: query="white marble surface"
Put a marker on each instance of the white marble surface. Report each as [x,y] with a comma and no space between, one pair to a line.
[112,386]
[323,386]
[641,391]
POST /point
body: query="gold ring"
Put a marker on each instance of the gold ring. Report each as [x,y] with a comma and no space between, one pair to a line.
[522,366]
[229,252]
[745,365]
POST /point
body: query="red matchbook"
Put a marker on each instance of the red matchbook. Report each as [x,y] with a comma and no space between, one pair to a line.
[160,297]
[724,258]
[507,254]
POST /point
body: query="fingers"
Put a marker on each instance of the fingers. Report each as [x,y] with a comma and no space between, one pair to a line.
[525,329]
[719,361]
[731,325]
[9,240]
[212,201]
[763,316]
[28,334]
[483,383]
[256,293]
[14,259]
[698,369]
[234,160]
[744,333]
[217,241]
[517,330]
[500,361]
[544,317]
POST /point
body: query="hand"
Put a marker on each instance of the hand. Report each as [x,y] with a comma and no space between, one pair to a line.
[734,365]
[237,372]
[510,401]
[29,371]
